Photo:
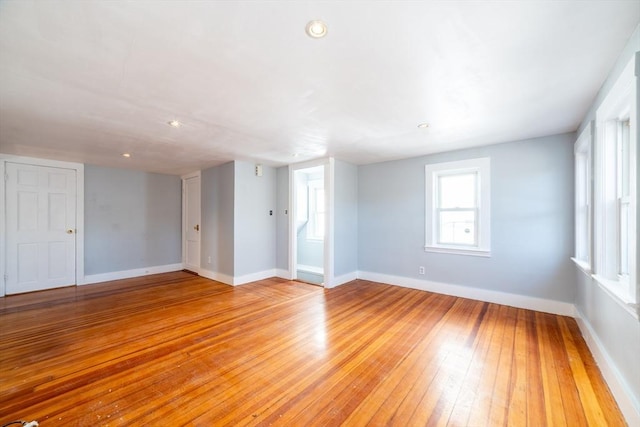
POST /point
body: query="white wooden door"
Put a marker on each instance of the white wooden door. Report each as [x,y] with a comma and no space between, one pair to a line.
[41,227]
[192,223]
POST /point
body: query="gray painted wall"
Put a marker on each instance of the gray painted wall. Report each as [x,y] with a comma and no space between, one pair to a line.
[531,220]
[282,218]
[132,219]
[217,211]
[255,228]
[346,218]
[616,329]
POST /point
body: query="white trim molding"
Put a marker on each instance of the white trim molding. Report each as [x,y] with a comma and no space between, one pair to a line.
[434,172]
[128,274]
[344,279]
[621,391]
[218,277]
[486,295]
[237,280]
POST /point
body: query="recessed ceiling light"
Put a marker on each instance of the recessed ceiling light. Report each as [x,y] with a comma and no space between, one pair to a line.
[174,123]
[423,125]
[316,29]
[127,155]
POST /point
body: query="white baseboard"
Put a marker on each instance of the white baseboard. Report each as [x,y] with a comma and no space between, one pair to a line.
[310,269]
[345,278]
[513,300]
[127,274]
[218,277]
[629,406]
[248,278]
[237,280]
[283,274]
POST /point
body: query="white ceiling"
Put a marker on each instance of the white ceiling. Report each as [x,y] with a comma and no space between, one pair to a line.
[89,80]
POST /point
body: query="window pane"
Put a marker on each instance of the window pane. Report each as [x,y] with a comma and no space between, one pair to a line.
[457,227]
[625,158]
[624,238]
[457,191]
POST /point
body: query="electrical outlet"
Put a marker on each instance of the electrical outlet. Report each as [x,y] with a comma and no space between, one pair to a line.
[209,260]
[421,270]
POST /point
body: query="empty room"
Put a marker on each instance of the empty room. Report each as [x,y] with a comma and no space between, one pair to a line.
[319,213]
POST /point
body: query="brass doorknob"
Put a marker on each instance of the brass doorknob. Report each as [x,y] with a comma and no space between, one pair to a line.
[70,231]
[197,227]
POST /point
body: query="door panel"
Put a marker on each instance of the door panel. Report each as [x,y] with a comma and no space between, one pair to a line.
[41,239]
[192,223]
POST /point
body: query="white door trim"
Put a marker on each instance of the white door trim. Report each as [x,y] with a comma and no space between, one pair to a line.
[329,176]
[79,168]
[196,174]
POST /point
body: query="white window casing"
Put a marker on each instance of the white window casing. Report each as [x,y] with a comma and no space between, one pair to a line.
[467,211]
[615,192]
[583,198]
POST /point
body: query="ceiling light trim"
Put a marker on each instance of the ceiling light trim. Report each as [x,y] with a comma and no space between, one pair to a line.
[316,29]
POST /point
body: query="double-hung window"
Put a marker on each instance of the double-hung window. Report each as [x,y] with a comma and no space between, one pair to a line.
[583,204]
[458,207]
[615,192]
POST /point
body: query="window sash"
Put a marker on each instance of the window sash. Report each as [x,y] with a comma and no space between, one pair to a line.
[439,237]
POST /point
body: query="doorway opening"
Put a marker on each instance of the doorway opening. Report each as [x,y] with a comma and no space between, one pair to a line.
[310,213]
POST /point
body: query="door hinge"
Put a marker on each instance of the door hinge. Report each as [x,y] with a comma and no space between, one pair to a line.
[6,278]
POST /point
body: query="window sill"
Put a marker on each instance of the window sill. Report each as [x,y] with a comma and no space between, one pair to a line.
[611,287]
[583,265]
[458,251]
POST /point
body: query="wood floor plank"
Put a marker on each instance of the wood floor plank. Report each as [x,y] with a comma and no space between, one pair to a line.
[178,349]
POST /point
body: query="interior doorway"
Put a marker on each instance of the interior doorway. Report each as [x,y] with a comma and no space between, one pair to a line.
[310,213]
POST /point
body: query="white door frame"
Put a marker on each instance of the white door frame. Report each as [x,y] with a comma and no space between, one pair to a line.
[329,168]
[79,168]
[196,174]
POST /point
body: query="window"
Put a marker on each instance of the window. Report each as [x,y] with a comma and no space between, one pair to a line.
[583,198]
[458,207]
[615,190]
[315,228]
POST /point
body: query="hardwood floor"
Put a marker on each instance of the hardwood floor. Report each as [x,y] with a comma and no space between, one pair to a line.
[177,349]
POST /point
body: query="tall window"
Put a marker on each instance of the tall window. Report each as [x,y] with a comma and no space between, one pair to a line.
[583,198]
[458,207]
[615,192]
[623,197]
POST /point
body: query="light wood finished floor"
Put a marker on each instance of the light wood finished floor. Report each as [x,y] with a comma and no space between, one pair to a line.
[177,349]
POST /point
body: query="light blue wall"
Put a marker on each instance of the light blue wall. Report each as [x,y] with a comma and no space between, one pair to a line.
[346,218]
[217,211]
[616,329]
[255,227]
[310,251]
[531,220]
[132,219]
[282,218]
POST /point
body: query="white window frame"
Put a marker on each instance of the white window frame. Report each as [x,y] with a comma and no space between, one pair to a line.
[618,106]
[583,198]
[480,166]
